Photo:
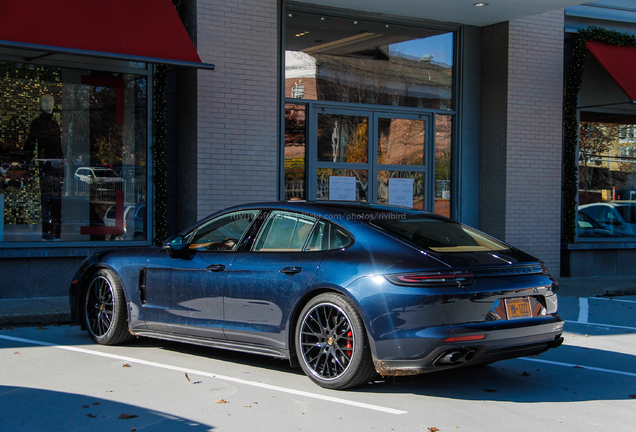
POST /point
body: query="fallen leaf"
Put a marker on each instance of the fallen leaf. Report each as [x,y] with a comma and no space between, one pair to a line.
[490,390]
[133,430]
[633,396]
[96,403]
[89,415]
[525,374]
[42,328]
[85,406]
[585,336]
[109,391]
[248,406]
[125,416]
[126,365]
[433,429]
[222,401]
[187,377]
[578,367]
[255,403]
[16,352]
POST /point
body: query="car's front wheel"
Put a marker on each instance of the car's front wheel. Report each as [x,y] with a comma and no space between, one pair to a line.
[331,343]
[105,310]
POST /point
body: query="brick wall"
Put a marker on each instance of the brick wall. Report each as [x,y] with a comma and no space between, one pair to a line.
[531,143]
[237,111]
[493,142]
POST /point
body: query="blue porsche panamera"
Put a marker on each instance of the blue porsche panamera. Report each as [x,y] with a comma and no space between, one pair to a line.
[345,291]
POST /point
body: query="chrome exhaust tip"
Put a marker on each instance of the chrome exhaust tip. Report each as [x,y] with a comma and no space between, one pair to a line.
[450,358]
[470,354]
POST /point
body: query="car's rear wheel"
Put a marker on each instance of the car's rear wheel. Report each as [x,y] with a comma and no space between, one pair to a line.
[105,310]
[331,343]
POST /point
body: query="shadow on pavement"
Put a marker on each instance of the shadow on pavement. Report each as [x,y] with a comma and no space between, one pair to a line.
[31,409]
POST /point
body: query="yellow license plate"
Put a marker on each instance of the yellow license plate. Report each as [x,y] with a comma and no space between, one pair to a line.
[518,308]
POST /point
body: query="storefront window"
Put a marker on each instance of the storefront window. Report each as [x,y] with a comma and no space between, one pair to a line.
[607,176]
[343,138]
[359,61]
[73,154]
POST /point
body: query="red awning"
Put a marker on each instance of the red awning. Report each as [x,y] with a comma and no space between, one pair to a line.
[619,62]
[148,31]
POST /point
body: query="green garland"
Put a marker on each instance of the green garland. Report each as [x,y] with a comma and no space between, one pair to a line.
[570,121]
[160,128]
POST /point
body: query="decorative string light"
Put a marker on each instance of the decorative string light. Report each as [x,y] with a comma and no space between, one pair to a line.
[160,128]
[158,148]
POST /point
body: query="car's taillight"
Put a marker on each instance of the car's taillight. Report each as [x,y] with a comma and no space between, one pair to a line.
[432,279]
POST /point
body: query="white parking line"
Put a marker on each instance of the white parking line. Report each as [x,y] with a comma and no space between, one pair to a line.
[602,325]
[579,366]
[613,299]
[584,309]
[211,375]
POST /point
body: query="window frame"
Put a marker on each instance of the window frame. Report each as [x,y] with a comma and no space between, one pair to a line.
[20,249]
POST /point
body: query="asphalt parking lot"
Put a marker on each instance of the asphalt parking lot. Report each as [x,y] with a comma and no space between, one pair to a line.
[55,379]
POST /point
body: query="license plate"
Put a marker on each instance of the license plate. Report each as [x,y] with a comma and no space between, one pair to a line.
[517,308]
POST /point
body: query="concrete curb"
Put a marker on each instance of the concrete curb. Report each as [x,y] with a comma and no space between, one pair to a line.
[35,311]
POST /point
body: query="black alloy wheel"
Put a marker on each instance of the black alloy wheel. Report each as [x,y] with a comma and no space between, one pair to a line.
[331,343]
[105,310]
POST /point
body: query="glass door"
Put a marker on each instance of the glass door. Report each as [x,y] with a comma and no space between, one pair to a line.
[403,154]
[343,158]
[370,156]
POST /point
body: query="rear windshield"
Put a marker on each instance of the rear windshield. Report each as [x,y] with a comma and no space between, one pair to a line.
[439,235]
[628,212]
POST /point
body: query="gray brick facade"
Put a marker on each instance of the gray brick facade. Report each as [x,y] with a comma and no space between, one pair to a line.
[521,143]
[236,151]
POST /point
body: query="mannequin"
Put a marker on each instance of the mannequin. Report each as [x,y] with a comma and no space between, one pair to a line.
[45,142]
[45,133]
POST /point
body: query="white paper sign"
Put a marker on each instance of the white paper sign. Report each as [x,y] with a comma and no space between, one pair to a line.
[342,188]
[401,192]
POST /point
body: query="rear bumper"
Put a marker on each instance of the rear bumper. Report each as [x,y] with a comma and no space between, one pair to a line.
[501,340]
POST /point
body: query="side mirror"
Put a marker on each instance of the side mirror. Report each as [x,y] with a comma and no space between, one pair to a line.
[176,247]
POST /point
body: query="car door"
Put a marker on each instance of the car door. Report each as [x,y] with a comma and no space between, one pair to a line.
[265,283]
[185,295]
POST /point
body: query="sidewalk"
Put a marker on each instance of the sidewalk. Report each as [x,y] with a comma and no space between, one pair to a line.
[55,310]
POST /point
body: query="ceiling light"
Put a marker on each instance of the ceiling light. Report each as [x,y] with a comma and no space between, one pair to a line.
[480,4]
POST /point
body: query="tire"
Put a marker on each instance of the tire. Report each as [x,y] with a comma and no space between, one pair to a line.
[331,343]
[105,313]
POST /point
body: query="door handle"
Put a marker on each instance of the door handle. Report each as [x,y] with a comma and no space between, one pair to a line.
[215,267]
[291,270]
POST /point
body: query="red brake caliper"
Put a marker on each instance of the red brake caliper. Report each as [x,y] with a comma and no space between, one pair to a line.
[349,344]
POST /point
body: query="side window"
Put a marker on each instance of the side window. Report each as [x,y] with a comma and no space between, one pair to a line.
[607,217]
[284,231]
[223,233]
[327,236]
